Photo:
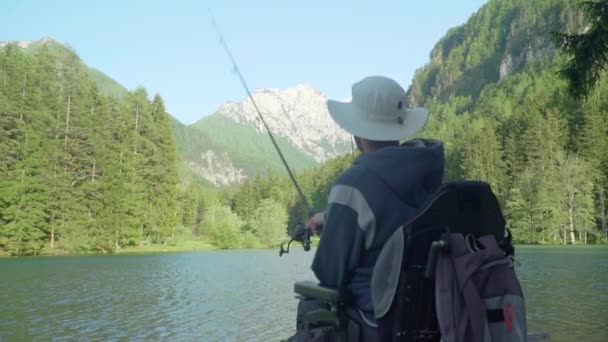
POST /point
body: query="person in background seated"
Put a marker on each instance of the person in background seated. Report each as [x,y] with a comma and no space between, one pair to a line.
[383,189]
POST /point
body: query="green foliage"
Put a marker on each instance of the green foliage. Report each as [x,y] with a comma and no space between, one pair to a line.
[271,207]
[106,85]
[80,171]
[588,51]
[248,149]
[222,227]
[501,38]
[269,223]
[544,153]
[482,155]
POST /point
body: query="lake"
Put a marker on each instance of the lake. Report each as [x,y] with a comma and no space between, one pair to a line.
[246,295]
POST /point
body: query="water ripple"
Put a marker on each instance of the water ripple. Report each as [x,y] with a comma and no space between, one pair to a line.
[245,295]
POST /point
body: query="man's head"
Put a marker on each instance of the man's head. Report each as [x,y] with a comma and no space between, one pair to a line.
[376,115]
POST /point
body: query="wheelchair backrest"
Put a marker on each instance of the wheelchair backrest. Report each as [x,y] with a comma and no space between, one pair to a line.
[402,290]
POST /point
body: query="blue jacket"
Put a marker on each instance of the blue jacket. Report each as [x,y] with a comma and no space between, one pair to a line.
[381,191]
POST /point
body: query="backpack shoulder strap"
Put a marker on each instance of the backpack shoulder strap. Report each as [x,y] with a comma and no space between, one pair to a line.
[459,306]
[446,306]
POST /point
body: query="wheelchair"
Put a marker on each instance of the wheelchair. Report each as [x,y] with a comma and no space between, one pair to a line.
[403,281]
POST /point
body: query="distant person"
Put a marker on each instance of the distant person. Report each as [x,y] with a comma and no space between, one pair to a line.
[383,189]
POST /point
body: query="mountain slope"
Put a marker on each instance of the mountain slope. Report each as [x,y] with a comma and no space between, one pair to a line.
[503,37]
[248,150]
[194,147]
[298,119]
[299,114]
[230,146]
[106,84]
[506,118]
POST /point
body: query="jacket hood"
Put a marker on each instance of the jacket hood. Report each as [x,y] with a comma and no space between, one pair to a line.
[412,170]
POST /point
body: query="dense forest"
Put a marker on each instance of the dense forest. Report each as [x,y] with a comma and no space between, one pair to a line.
[80,171]
[506,116]
[85,167]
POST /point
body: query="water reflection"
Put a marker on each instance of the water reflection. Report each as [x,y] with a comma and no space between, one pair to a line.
[246,295]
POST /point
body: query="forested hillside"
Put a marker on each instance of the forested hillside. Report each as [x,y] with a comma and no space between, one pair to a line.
[238,151]
[505,116]
[80,171]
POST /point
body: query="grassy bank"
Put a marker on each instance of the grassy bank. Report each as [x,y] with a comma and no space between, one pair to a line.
[198,245]
[180,246]
[185,246]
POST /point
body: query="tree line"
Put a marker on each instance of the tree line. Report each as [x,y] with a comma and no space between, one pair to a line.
[80,171]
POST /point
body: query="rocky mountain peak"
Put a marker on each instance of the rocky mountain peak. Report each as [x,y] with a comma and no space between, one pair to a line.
[299,114]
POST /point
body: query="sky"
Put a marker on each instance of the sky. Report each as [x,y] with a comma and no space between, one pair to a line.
[170,47]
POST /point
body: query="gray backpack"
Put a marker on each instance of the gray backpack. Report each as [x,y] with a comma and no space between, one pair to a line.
[478,296]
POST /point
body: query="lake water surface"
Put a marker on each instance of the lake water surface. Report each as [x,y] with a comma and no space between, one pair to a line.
[246,295]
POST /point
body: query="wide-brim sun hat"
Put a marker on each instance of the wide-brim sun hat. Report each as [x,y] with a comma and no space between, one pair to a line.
[377,111]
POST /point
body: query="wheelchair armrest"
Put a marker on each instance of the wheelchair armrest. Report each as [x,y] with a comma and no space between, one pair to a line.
[312,289]
[322,316]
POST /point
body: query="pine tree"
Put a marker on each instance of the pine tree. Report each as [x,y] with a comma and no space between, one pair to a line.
[269,223]
[576,184]
[482,155]
[593,143]
[588,50]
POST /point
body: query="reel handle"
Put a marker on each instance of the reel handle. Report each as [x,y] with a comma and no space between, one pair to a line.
[301,234]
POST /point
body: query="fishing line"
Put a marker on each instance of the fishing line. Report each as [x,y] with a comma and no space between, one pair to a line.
[244,84]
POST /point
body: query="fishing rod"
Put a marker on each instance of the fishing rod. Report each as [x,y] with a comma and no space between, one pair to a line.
[300,232]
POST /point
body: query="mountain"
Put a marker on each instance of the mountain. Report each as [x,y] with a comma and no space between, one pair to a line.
[190,142]
[231,145]
[502,38]
[506,117]
[298,114]
[234,144]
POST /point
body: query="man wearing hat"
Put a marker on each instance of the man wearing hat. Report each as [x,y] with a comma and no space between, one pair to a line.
[383,189]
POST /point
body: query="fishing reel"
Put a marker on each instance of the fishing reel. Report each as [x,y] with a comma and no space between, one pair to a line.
[299,234]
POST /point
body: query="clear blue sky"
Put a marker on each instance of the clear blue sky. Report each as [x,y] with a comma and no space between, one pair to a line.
[170,46]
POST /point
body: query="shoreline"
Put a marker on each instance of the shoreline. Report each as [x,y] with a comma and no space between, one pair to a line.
[186,246]
[201,246]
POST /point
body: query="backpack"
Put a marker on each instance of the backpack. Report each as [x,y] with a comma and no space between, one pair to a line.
[477,294]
